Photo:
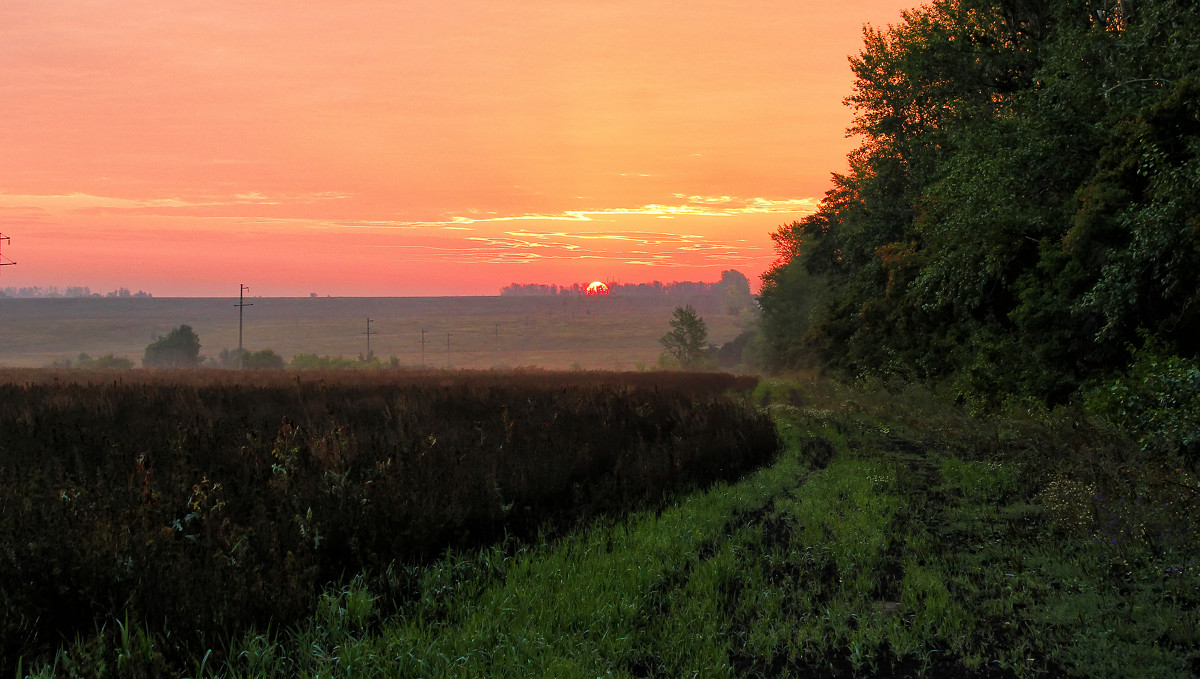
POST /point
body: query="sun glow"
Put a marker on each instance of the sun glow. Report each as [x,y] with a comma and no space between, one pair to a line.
[597,288]
[569,135]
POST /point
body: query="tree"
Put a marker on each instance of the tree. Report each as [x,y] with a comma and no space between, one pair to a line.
[734,288]
[686,341]
[179,348]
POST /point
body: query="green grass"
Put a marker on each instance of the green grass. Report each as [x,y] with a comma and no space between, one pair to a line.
[879,544]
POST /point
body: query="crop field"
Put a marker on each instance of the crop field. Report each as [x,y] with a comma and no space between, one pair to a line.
[203,502]
[611,333]
[579,525]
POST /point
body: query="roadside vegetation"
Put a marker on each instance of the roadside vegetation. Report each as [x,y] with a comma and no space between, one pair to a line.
[894,535]
[193,504]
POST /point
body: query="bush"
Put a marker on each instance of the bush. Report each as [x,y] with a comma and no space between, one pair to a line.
[1157,401]
[264,359]
[180,348]
[315,362]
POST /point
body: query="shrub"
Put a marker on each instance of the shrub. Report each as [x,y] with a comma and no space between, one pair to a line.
[1157,400]
[179,348]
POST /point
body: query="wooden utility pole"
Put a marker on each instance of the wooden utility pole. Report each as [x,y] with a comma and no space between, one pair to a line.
[243,289]
[368,333]
[3,260]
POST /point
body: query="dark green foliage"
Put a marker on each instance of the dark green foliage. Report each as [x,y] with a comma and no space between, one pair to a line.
[263,359]
[179,348]
[733,353]
[314,362]
[1158,401]
[686,341]
[1025,202]
[199,504]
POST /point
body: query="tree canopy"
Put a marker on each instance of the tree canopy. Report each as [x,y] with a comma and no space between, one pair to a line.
[686,341]
[1022,210]
[179,348]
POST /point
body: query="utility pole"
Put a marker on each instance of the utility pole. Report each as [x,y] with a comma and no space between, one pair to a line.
[497,337]
[3,262]
[4,238]
[368,333]
[243,289]
[447,350]
[422,348]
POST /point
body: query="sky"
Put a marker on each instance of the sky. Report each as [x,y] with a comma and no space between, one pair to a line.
[445,147]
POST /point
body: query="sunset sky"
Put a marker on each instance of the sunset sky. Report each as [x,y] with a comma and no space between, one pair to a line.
[445,147]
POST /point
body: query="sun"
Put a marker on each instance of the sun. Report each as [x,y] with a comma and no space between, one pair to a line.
[597,288]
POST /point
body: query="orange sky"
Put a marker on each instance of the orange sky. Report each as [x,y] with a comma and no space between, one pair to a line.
[440,147]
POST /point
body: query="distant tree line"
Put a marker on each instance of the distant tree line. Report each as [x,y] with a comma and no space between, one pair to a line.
[733,290]
[654,288]
[70,291]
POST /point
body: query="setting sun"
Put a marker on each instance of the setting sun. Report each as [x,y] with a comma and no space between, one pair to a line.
[597,288]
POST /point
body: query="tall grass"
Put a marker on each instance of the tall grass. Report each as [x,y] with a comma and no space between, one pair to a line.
[195,505]
[877,544]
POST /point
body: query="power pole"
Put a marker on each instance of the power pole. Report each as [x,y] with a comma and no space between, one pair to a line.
[422,348]
[4,238]
[497,337]
[3,260]
[368,333]
[447,350]
[243,289]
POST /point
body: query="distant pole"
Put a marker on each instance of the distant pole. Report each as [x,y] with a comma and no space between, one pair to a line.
[243,289]
[4,238]
[3,262]
[368,333]
[497,337]
[422,348]
[447,350]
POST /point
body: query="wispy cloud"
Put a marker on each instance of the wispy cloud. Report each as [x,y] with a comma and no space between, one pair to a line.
[91,204]
[707,230]
[687,206]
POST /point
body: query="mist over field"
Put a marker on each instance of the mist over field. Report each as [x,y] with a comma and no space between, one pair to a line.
[484,332]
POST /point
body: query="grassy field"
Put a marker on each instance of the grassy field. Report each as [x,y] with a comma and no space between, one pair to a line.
[895,536]
[611,333]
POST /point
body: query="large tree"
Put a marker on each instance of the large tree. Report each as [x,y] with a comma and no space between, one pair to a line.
[1022,207]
